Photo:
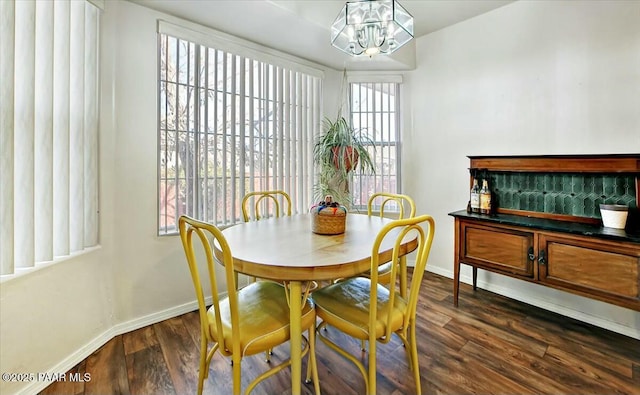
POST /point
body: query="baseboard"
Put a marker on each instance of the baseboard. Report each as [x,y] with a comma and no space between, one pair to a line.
[544,304]
[100,340]
[150,319]
[72,360]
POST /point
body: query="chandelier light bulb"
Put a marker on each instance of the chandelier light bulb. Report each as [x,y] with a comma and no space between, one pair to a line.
[372,51]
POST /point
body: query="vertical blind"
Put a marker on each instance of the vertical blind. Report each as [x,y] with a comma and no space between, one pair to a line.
[48,130]
[230,123]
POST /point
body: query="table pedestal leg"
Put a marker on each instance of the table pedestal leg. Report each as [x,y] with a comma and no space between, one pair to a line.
[295,317]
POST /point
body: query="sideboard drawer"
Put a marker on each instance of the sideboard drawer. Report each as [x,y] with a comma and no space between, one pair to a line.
[501,249]
[594,267]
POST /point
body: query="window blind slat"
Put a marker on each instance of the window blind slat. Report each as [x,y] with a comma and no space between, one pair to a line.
[268,128]
[24,113]
[216,212]
[76,127]
[91,127]
[205,126]
[173,129]
[284,126]
[7,37]
[43,159]
[395,102]
[253,70]
[276,130]
[61,111]
[225,164]
[233,124]
[242,177]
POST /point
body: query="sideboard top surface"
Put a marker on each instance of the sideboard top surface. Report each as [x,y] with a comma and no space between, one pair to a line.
[575,228]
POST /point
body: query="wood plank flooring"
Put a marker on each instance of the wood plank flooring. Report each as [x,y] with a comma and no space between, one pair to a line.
[488,345]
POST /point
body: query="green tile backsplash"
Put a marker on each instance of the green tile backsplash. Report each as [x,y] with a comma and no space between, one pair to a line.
[561,193]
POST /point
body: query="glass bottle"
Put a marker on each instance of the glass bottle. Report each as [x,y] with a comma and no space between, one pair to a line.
[475,197]
[485,198]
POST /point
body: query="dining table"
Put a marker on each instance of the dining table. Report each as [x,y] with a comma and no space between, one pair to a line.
[285,249]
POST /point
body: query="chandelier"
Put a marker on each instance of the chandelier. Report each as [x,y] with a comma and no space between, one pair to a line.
[371,27]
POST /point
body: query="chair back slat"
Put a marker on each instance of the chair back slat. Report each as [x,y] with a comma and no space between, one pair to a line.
[385,199]
[262,200]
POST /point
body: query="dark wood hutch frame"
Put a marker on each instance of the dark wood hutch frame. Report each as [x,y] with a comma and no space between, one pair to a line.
[571,253]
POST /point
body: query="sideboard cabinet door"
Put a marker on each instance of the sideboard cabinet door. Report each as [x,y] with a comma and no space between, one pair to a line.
[501,249]
[595,268]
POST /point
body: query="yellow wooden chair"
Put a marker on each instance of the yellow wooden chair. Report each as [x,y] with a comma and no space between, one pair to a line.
[362,308]
[280,201]
[248,321]
[405,208]
[256,204]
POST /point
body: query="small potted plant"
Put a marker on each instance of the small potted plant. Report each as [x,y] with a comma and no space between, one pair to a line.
[337,152]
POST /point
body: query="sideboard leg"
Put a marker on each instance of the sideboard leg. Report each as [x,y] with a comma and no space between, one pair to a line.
[475,278]
[456,281]
[456,261]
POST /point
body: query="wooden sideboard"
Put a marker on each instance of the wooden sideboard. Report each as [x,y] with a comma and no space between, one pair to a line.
[548,230]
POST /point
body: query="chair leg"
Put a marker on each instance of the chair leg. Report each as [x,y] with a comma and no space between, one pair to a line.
[372,367]
[237,383]
[203,368]
[414,357]
[312,366]
[356,361]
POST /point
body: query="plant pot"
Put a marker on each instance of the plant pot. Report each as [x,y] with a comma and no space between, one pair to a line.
[614,215]
[350,158]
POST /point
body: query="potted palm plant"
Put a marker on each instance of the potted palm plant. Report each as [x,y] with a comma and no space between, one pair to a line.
[339,151]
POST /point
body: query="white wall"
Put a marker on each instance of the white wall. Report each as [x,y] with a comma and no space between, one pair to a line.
[149,271]
[54,317]
[533,77]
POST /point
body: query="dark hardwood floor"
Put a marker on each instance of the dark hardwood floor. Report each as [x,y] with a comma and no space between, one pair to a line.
[488,345]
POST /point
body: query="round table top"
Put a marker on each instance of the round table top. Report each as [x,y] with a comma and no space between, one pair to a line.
[285,248]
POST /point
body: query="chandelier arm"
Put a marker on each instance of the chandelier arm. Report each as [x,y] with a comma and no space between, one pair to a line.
[383,34]
[362,35]
[353,51]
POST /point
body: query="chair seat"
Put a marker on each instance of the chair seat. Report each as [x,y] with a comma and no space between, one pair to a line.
[345,306]
[384,273]
[264,318]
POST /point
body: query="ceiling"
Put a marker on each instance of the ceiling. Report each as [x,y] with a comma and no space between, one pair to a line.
[301,27]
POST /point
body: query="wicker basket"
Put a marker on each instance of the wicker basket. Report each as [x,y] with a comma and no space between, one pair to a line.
[328,217]
[327,224]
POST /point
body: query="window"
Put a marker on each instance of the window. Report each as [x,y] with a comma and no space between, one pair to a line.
[375,109]
[48,131]
[230,123]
